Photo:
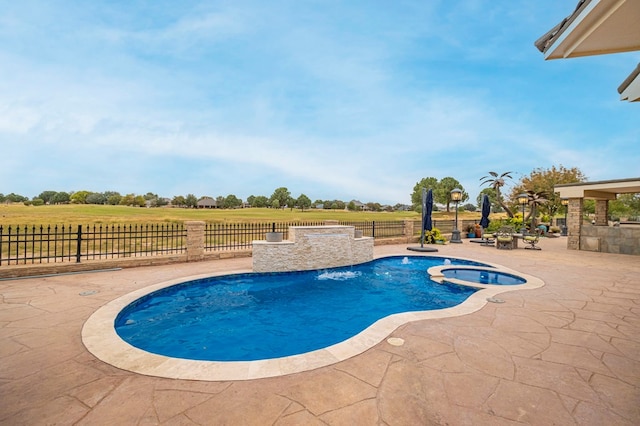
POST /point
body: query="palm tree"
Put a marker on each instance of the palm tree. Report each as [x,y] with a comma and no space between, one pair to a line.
[496,182]
[536,199]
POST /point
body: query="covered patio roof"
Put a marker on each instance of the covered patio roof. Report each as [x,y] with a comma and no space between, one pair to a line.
[597,27]
[600,190]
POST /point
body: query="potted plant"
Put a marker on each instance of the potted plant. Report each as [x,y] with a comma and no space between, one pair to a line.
[471,231]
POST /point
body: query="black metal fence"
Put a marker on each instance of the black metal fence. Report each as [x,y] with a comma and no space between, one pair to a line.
[379,229]
[238,236]
[62,243]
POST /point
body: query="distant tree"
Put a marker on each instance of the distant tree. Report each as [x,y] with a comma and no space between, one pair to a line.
[496,182]
[543,181]
[47,196]
[16,198]
[291,203]
[128,200]
[37,202]
[303,202]
[281,194]
[231,202]
[374,207]
[96,198]
[179,201]
[113,197]
[61,198]
[416,196]
[442,193]
[191,201]
[79,197]
[469,207]
[275,204]
[260,201]
[150,196]
[139,201]
[352,206]
[251,199]
[335,205]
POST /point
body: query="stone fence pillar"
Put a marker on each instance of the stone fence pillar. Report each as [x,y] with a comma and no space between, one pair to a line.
[195,240]
[408,229]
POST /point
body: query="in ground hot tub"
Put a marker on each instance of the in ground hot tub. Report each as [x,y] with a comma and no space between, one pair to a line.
[483,276]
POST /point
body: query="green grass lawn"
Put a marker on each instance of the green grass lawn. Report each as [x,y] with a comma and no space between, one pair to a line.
[19,214]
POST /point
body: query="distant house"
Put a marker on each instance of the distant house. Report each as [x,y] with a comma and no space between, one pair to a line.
[207,203]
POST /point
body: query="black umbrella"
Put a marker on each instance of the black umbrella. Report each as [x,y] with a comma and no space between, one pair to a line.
[486,209]
[427,209]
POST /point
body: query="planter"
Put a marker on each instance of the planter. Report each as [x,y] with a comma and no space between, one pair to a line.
[471,235]
[274,237]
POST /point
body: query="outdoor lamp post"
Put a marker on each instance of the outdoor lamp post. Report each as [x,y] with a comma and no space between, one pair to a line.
[524,200]
[565,203]
[456,196]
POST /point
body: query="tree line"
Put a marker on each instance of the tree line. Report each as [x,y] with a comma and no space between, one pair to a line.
[280,198]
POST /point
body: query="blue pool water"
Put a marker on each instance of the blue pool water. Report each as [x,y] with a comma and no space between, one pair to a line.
[483,277]
[253,316]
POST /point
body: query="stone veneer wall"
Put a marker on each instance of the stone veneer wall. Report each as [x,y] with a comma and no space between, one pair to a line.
[610,239]
[312,247]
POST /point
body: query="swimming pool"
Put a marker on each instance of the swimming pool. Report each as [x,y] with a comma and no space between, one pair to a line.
[246,317]
[99,334]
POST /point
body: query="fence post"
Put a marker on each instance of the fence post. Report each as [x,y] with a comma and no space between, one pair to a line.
[195,240]
[373,229]
[78,243]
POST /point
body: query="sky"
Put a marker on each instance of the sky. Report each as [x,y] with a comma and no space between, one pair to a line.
[333,99]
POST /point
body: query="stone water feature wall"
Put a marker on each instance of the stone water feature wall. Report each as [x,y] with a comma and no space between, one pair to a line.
[313,247]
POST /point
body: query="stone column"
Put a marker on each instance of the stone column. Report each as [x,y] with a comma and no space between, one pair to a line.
[574,223]
[602,213]
[195,240]
[408,229]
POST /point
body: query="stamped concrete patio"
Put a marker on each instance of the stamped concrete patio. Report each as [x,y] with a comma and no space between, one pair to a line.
[567,353]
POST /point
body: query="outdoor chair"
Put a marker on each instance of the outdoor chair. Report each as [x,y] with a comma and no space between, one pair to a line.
[531,239]
[504,238]
[487,238]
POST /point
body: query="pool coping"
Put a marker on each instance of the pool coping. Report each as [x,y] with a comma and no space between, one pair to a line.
[100,338]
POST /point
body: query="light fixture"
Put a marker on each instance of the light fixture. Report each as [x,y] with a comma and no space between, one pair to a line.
[523,199]
[565,203]
[456,196]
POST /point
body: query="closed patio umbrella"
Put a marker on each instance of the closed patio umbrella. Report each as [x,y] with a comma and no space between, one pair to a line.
[427,209]
[486,209]
[427,224]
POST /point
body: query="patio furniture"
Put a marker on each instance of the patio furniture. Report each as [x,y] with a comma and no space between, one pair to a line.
[531,239]
[487,238]
[505,239]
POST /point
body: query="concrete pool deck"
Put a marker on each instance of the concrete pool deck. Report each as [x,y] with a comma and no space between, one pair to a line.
[566,353]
